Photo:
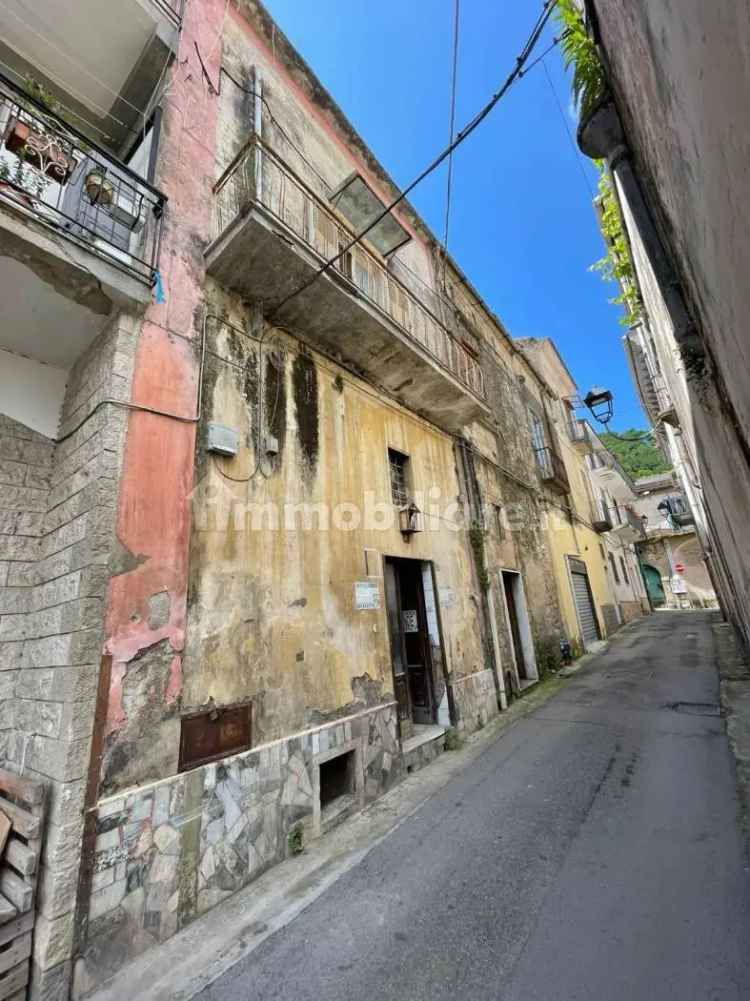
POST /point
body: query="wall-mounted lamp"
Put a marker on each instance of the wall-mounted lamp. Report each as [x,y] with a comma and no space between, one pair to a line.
[599,402]
[410,520]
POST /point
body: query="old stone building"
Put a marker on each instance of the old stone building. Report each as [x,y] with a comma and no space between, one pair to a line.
[591,526]
[670,123]
[672,557]
[278,506]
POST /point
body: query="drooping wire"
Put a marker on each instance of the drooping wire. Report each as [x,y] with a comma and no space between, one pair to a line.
[451,131]
[566,126]
[464,134]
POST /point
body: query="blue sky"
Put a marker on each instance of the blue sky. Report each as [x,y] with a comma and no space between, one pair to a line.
[522,225]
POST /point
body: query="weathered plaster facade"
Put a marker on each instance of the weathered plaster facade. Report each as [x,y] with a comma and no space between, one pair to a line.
[152,584]
[678,75]
[573,537]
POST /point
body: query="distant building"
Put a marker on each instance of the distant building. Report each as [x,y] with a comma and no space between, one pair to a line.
[672,558]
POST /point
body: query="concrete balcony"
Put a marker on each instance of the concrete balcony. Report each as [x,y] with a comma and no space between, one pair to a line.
[103,60]
[627,526]
[551,469]
[80,236]
[579,436]
[272,234]
[601,519]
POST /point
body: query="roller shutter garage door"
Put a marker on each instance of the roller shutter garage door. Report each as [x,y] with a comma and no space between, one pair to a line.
[584,606]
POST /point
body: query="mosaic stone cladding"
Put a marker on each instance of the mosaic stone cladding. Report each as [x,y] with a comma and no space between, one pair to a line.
[168,852]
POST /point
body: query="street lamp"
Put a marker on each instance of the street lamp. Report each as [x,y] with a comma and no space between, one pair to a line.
[599,402]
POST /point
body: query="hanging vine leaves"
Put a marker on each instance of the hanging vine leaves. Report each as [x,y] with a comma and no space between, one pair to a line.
[616,265]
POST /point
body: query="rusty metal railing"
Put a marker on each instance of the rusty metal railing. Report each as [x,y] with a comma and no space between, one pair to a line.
[257,176]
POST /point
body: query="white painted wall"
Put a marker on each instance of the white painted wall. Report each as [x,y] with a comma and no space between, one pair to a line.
[31,392]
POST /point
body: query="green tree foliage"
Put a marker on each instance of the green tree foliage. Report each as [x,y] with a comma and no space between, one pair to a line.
[637,455]
[579,52]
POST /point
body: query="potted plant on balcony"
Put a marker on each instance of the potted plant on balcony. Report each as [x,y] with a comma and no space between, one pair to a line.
[99,190]
[39,140]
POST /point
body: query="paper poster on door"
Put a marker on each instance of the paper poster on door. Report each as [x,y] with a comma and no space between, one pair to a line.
[409,620]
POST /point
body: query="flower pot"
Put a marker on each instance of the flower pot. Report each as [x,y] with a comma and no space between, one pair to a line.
[98,189]
[39,150]
[15,194]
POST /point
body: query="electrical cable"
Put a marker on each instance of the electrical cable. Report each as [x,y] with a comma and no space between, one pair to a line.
[451,131]
[573,146]
[464,134]
[251,92]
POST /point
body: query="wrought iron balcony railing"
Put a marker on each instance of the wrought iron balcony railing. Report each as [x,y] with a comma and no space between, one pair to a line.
[258,177]
[552,469]
[61,179]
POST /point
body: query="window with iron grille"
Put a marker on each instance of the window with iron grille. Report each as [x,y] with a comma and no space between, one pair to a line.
[399,469]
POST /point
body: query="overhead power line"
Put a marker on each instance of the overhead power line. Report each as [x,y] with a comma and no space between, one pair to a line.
[464,134]
[451,132]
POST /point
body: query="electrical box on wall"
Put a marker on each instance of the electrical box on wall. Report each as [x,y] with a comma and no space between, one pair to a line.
[224,440]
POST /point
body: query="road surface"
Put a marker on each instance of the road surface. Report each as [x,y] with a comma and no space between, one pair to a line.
[591,854]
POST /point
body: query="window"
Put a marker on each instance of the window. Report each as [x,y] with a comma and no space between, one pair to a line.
[538,438]
[399,469]
[614,568]
[361,206]
[337,778]
[213,734]
[624,571]
[498,508]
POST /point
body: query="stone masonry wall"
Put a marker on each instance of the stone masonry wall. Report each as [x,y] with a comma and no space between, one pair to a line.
[51,626]
[169,851]
[25,464]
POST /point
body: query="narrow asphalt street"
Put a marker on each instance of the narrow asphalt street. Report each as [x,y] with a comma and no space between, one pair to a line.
[591,853]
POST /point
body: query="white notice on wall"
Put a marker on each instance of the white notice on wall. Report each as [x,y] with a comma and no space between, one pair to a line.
[366,595]
[678,585]
[447,597]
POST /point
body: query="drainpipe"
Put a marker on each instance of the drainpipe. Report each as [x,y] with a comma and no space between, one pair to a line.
[492,648]
[601,137]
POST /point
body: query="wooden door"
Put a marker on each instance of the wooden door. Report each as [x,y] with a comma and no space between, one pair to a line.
[515,630]
[410,646]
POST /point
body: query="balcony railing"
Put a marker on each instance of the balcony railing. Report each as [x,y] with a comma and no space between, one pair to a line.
[601,517]
[258,177]
[52,173]
[174,9]
[626,523]
[552,469]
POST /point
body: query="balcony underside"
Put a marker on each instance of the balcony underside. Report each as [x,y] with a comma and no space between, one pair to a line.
[262,261]
[628,532]
[558,484]
[105,63]
[55,296]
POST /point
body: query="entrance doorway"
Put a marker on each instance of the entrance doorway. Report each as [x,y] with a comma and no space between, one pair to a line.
[654,585]
[584,601]
[410,642]
[518,626]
